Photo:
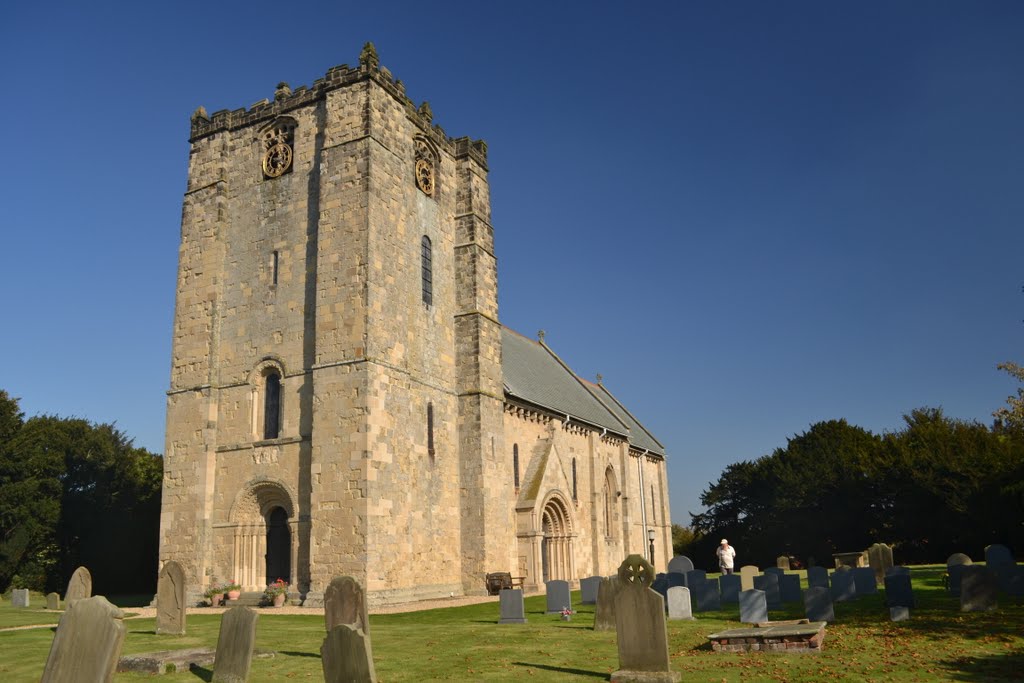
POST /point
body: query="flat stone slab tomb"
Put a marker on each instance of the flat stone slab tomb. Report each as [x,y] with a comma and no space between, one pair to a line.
[777,636]
[174,661]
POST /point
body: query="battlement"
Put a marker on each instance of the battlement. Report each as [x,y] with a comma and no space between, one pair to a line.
[369,68]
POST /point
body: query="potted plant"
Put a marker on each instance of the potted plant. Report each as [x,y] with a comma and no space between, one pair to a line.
[566,614]
[215,593]
[234,590]
[276,592]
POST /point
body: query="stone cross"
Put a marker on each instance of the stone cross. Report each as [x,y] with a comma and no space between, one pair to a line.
[511,607]
[87,644]
[19,597]
[79,586]
[640,626]
[170,600]
[345,603]
[747,574]
[346,656]
[753,607]
[234,645]
[818,604]
[558,596]
[679,603]
[604,612]
[588,590]
[52,601]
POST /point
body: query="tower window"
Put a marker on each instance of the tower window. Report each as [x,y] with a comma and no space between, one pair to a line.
[654,506]
[515,465]
[575,498]
[273,267]
[272,406]
[427,267]
[430,431]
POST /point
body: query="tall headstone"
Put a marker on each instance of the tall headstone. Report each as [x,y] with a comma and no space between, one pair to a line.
[345,603]
[954,573]
[905,571]
[747,574]
[79,586]
[753,607]
[879,559]
[679,606]
[769,583]
[729,586]
[898,591]
[604,612]
[52,601]
[660,585]
[817,576]
[558,596]
[864,581]
[19,597]
[588,590]
[958,558]
[676,579]
[1015,582]
[170,600]
[818,604]
[695,575]
[346,656]
[843,587]
[680,564]
[511,606]
[782,562]
[778,571]
[978,588]
[998,555]
[705,595]
[640,626]
[234,645]
[789,588]
[87,644]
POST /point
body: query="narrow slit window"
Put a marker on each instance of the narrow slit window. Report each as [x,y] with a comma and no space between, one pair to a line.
[515,465]
[430,430]
[427,268]
[273,267]
[575,498]
[654,507]
[272,406]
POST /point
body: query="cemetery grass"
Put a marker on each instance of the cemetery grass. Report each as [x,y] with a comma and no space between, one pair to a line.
[465,644]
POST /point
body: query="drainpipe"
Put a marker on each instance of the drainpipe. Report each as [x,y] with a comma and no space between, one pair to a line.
[643,505]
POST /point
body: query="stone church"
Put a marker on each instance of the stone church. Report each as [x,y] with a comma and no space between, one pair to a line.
[343,397]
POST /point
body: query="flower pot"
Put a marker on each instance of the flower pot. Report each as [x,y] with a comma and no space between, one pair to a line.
[216,599]
[279,600]
[566,617]
[234,595]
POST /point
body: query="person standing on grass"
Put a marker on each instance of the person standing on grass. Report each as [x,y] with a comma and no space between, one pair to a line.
[726,557]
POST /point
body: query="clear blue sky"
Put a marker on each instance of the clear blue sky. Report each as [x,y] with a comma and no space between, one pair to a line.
[748,216]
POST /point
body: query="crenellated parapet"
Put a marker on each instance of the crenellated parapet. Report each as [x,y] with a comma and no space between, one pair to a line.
[287,99]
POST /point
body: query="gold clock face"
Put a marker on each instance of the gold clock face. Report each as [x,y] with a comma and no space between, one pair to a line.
[425,177]
[277,160]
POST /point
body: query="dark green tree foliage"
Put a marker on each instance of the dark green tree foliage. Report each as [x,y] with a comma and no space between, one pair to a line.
[75,493]
[683,540]
[936,487]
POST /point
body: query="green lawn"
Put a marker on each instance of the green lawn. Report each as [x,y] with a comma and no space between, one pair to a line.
[465,644]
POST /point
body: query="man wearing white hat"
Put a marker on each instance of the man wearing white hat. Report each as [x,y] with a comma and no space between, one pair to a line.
[726,555]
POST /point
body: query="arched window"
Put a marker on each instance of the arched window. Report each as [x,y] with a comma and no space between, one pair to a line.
[575,498]
[611,494]
[427,268]
[430,431]
[654,507]
[272,405]
[515,465]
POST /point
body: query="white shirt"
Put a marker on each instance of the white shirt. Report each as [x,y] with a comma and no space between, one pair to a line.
[725,556]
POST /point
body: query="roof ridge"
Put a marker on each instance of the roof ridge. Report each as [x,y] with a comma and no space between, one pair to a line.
[631,415]
[573,374]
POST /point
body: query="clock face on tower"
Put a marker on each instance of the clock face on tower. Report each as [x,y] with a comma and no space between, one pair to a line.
[425,177]
[277,160]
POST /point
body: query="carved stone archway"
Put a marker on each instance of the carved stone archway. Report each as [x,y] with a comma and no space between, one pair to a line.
[557,559]
[260,507]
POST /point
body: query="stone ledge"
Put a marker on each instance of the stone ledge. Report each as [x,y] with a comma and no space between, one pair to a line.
[174,661]
[796,637]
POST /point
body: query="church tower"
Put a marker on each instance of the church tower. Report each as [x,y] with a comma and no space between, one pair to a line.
[336,400]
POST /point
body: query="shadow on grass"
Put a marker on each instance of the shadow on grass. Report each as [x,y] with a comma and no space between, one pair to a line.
[564,670]
[293,653]
[201,672]
[995,667]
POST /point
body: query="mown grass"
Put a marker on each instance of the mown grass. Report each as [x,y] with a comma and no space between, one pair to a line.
[466,644]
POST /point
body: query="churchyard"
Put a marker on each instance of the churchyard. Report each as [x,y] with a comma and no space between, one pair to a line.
[937,642]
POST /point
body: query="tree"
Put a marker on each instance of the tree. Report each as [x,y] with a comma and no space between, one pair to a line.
[1012,415]
[683,539]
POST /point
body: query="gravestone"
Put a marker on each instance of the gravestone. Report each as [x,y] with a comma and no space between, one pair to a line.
[955,572]
[978,589]
[747,574]
[680,564]
[588,590]
[905,571]
[52,601]
[87,644]
[345,603]
[660,585]
[170,600]
[778,571]
[817,576]
[958,558]
[998,555]
[346,656]
[879,559]
[1015,582]
[729,585]
[79,586]
[604,613]
[676,579]
[19,597]
[234,645]
[640,626]
[864,581]
[558,596]
[818,604]
[511,606]
[695,575]
[843,587]
[789,588]
[899,613]
[769,583]
[753,607]
[706,596]
[782,562]
[679,603]
[898,591]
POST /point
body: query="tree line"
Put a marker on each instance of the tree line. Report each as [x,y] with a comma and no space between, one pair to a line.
[74,493]
[936,486]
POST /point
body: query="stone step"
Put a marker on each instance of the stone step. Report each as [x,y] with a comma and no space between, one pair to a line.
[250,599]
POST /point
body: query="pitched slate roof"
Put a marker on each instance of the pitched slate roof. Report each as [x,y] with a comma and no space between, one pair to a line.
[534,374]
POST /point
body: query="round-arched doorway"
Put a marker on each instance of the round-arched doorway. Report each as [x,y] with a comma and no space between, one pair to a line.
[556,544]
[279,546]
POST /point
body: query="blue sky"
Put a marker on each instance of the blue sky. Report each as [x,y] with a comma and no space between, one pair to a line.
[748,216]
